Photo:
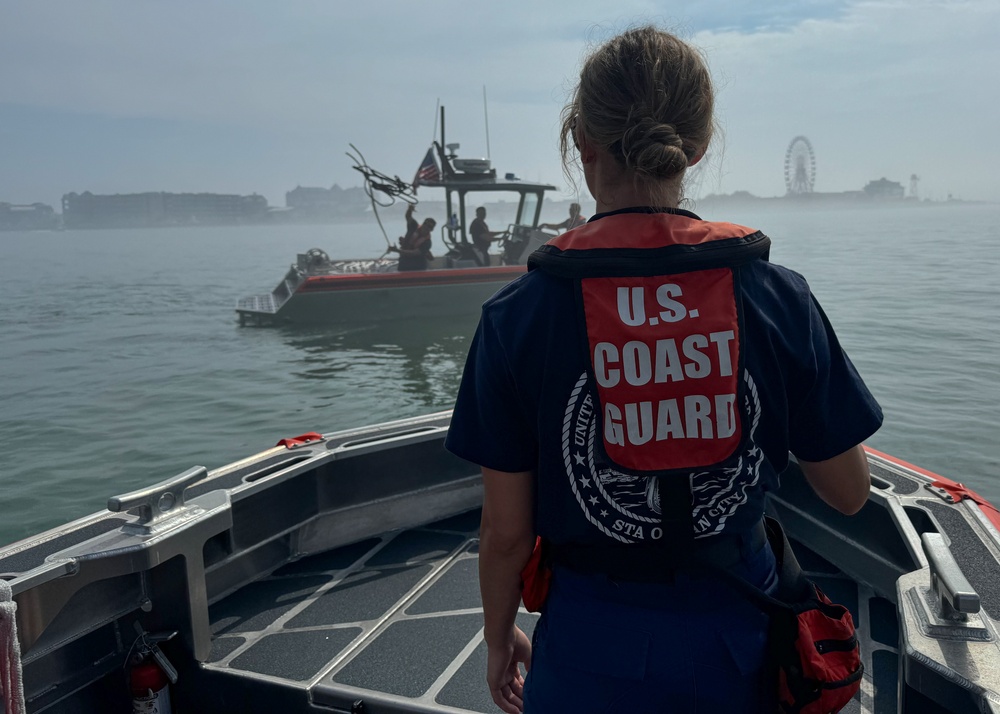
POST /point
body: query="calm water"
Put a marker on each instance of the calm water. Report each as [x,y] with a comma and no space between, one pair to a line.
[123,364]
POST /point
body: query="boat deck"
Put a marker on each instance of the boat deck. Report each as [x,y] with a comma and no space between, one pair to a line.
[331,574]
[396,623]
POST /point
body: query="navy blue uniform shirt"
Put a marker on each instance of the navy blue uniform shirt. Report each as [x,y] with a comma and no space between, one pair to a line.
[525,405]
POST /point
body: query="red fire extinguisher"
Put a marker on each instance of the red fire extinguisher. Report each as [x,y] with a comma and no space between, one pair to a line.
[151,675]
[150,689]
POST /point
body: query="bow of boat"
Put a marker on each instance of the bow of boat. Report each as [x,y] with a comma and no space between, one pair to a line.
[338,572]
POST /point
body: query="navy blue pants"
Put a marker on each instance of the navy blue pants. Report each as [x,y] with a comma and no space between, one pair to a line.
[694,645]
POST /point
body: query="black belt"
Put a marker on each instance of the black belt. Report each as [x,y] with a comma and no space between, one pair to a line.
[657,563]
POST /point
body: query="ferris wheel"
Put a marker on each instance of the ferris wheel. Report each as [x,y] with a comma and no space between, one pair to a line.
[800,166]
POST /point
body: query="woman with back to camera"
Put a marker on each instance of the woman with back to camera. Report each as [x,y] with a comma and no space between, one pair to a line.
[631,400]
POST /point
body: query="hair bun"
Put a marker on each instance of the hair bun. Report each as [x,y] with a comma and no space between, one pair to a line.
[653,149]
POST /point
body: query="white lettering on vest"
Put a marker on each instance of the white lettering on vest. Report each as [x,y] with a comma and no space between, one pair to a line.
[725,415]
[613,433]
[605,352]
[700,365]
[674,311]
[722,340]
[695,417]
[668,421]
[630,529]
[632,312]
[668,362]
[636,364]
[639,422]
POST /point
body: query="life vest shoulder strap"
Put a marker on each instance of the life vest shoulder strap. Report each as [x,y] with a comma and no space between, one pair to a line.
[633,245]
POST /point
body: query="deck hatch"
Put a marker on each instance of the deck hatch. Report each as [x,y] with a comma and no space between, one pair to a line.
[295,655]
[410,655]
[222,647]
[259,604]
[362,596]
[456,589]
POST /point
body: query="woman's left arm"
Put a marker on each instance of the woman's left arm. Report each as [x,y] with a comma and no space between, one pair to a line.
[506,539]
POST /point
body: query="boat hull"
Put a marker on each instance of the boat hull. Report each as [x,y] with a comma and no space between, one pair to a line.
[363,299]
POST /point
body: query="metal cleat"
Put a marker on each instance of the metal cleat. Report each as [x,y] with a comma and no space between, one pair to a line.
[949,608]
[955,593]
[157,504]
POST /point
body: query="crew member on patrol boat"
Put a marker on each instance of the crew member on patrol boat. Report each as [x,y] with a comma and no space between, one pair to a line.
[631,400]
[415,247]
[482,236]
[574,220]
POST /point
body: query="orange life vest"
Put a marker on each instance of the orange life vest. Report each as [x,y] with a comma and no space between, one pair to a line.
[659,299]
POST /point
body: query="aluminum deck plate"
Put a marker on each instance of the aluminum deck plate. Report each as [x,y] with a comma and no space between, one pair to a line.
[397,620]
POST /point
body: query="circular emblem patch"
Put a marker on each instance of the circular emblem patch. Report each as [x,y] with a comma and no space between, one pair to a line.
[627,508]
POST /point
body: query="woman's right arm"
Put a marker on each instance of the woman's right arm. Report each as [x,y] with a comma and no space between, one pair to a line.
[843,482]
[490,425]
[506,539]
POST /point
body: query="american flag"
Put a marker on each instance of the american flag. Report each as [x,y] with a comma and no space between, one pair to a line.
[428,170]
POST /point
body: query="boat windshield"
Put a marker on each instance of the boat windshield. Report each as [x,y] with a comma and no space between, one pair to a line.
[527,214]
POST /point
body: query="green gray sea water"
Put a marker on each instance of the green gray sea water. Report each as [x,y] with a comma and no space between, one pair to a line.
[122,361]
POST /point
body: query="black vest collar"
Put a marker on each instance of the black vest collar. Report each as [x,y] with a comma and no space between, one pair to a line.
[729,246]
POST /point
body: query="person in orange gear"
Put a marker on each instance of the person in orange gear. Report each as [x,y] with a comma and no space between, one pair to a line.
[415,247]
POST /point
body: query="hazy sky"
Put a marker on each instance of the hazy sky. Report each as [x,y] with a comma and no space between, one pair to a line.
[249,96]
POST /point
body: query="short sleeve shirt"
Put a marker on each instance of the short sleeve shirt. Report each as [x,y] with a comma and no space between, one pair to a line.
[525,404]
[478,230]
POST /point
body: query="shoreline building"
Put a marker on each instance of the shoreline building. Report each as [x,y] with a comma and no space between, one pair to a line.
[883,188]
[154,209]
[308,203]
[30,217]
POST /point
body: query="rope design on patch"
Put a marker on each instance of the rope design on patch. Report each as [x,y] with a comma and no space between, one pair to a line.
[600,486]
[717,495]
[568,460]
[752,405]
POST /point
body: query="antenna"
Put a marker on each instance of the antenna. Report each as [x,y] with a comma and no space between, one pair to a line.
[486,116]
[436,108]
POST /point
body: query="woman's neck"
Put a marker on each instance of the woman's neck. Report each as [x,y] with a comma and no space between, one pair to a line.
[614,187]
[618,198]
